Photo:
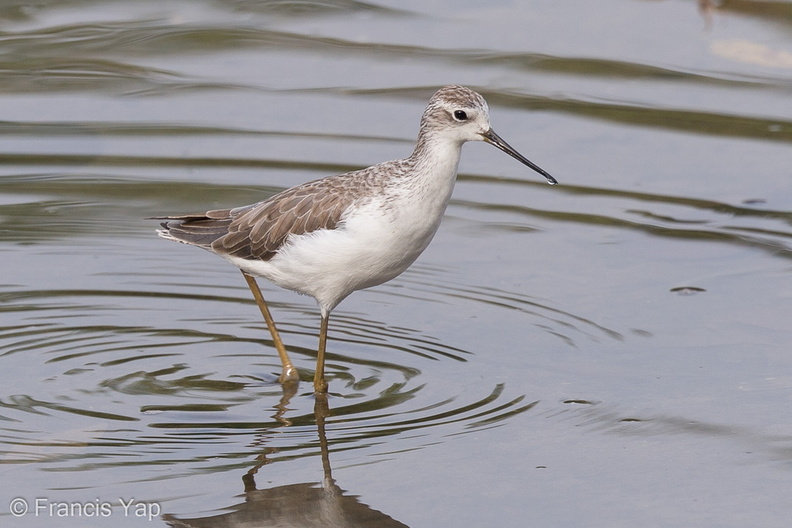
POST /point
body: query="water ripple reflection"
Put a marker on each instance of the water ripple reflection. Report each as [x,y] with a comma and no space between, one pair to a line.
[162,392]
[306,504]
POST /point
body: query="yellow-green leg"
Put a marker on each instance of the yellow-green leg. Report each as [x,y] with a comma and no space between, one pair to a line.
[320,385]
[289,373]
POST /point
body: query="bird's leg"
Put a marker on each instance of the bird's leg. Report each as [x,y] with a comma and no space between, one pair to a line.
[289,373]
[320,385]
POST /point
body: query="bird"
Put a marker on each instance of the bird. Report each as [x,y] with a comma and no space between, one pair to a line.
[342,233]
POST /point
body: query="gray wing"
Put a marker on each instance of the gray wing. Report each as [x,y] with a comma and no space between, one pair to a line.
[258,231]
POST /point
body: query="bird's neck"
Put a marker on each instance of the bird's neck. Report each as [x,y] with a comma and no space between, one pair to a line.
[436,158]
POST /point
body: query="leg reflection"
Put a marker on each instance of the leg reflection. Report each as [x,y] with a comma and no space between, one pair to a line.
[310,504]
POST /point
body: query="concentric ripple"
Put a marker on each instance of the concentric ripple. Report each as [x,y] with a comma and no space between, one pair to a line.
[151,395]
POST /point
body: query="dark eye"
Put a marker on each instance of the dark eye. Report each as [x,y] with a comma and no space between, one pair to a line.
[460,115]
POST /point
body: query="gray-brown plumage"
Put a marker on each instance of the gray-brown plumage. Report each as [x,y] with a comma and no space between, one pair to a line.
[343,233]
[257,231]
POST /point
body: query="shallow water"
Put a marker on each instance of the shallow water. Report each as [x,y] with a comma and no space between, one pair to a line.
[611,351]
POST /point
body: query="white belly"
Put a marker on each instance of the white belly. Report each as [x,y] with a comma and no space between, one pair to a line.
[372,246]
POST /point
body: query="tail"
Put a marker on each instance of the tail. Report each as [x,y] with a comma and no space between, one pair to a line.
[199,230]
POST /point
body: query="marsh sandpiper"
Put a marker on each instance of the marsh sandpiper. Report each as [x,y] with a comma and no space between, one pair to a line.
[330,237]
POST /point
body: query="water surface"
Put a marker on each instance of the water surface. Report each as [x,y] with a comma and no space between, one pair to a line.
[611,351]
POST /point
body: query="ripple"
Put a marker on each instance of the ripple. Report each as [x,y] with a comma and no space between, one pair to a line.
[178,389]
[564,324]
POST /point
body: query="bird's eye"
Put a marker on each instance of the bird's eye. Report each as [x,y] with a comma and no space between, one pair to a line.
[460,115]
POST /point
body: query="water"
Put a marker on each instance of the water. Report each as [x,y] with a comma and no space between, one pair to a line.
[611,351]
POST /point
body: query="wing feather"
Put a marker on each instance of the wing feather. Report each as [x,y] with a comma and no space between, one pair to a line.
[258,231]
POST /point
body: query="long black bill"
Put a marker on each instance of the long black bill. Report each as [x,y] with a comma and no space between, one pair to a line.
[494,139]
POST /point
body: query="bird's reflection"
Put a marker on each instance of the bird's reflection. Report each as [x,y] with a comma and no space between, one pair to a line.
[296,505]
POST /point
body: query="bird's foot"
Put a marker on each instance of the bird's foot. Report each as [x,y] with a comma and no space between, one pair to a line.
[320,386]
[289,375]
